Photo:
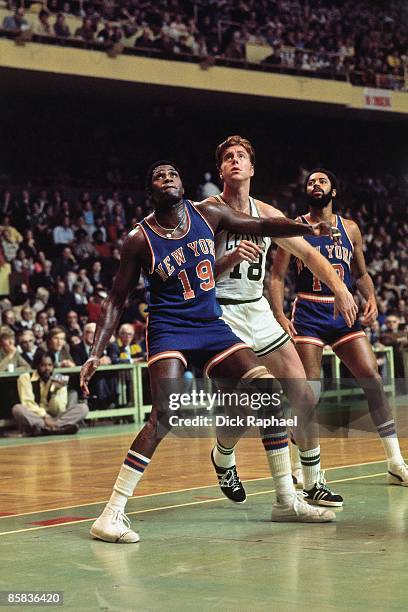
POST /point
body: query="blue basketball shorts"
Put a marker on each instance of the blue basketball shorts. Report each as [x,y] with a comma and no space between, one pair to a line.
[314,323]
[202,344]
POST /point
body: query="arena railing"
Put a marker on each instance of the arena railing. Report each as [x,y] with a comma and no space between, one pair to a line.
[130,378]
[250,62]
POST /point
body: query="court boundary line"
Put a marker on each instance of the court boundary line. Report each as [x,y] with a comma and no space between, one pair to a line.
[335,467]
[161,508]
[66,438]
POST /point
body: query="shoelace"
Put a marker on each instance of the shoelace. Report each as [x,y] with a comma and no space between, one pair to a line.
[120,516]
[230,479]
[305,506]
[321,482]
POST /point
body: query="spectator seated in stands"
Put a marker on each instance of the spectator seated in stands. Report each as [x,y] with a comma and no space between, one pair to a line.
[16,21]
[26,346]
[63,234]
[62,300]
[13,233]
[86,31]
[43,276]
[8,321]
[57,346]
[10,358]
[125,349]
[8,246]
[64,264]
[103,386]
[43,402]
[97,275]
[43,26]
[60,27]
[27,318]
[39,334]
[73,328]
[83,248]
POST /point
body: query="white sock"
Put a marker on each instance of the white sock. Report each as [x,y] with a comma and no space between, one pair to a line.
[388,435]
[310,460]
[279,464]
[129,476]
[223,457]
[392,451]
[295,457]
[285,490]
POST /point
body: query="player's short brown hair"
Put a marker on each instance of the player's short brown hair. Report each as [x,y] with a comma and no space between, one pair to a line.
[234,141]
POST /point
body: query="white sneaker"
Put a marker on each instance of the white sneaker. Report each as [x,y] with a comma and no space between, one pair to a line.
[301,512]
[113,526]
[297,477]
[398,475]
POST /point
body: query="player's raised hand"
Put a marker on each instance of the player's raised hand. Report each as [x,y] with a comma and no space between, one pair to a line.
[326,229]
[345,305]
[87,371]
[370,313]
[246,251]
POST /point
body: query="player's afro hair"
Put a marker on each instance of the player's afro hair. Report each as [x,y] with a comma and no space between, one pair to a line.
[149,175]
[332,177]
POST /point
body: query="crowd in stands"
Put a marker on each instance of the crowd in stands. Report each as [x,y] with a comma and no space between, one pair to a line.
[57,261]
[58,257]
[362,41]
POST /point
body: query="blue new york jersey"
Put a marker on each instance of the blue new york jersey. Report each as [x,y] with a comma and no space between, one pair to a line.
[184,315]
[338,255]
[313,309]
[181,280]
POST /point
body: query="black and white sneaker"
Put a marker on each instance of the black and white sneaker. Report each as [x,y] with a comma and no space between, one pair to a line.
[321,495]
[229,482]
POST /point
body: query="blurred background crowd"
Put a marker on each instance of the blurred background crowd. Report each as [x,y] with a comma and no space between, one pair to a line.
[59,254]
[74,153]
[361,41]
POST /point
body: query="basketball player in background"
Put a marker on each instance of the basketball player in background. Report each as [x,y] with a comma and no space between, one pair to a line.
[240,274]
[313,325]
[175,247]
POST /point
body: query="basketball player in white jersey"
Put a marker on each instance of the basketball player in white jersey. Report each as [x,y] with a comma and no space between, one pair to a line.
[240,273]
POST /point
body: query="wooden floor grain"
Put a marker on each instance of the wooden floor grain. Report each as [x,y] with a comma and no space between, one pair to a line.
[82,470]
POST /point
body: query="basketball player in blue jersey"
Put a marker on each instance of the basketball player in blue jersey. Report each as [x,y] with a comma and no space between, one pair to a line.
[313,325]
[240,274]
[175,247]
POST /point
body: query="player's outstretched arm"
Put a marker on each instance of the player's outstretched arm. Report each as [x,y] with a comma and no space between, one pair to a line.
[363,279]
[125,280]
[344,301]
[280,266]
[221,217]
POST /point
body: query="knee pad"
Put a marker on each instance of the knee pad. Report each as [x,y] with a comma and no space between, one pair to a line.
[257,372]
[260,381]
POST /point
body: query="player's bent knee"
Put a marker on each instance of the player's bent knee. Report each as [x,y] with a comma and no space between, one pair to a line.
[372,381]
[259,382]
[316,387]
[17,410]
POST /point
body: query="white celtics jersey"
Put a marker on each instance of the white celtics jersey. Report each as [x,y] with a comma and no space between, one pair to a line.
[245,281]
